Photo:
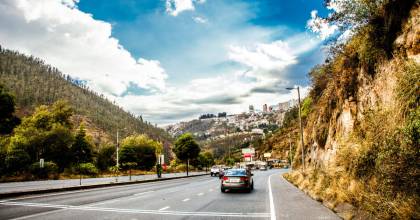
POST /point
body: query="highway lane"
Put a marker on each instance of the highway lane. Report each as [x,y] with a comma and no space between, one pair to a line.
[191,198]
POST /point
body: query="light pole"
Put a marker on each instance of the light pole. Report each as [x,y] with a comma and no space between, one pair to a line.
[118,148]
[301,128]
[290,152]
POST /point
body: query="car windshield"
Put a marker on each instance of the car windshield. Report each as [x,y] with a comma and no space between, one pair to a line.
[235,172]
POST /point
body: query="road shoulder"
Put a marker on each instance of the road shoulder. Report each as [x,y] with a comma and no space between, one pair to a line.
[291,203]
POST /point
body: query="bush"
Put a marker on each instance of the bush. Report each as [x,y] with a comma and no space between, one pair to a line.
[183,168]
[17,160]
[105,157]
[86,169]
[50,168]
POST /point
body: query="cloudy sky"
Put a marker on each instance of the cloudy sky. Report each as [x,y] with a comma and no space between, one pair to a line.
[172,60]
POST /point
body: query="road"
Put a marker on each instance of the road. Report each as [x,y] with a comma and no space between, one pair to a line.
[189,198]
[56,184]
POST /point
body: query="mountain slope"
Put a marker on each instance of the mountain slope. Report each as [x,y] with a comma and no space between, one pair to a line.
[361,136]
[34,83]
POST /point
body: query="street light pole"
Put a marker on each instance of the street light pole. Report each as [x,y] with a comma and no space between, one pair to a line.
[301,131]
[118,164]
[290,150]
[301,128]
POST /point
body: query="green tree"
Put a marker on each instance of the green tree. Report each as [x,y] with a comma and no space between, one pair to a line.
[106,157]
[7,107]
[82,149]
[17,160]
[186,148]
[205,159]
[44,135]
[139,149]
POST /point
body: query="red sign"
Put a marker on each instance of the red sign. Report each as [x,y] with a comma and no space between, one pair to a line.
[247,155]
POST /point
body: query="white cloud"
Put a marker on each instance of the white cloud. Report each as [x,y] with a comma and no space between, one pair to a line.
[200,20]
[275,55]
[320,26]
[75,43]
[174,7]
[263,82]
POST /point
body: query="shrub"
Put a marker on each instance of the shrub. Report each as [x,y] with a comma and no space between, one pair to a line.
[17,160]
[106,157]
[50,168]
[86,169]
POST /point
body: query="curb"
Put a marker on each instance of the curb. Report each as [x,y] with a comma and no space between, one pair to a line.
[74,188]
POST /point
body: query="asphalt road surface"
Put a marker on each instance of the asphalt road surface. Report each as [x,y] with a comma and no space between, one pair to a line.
[189,198]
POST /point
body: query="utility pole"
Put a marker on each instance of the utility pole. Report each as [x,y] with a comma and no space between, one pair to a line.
[301,128]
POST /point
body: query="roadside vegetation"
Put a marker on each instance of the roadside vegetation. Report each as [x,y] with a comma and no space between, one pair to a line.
[67,151]
[372,76]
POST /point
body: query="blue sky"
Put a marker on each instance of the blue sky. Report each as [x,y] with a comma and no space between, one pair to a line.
[146,30]
[172,60]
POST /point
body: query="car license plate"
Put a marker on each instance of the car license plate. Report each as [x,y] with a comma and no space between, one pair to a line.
[234,180]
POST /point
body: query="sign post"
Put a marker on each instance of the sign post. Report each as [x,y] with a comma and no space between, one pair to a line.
[41,163]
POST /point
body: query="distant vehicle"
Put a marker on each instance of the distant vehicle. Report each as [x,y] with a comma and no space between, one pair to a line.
[223,170]
[215,171]
[237,179]
[263,168]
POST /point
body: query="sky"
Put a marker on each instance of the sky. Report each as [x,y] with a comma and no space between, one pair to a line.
[173,60]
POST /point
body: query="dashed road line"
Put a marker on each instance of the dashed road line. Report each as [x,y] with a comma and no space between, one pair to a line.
[187,199]
[138,211]
[164,208]
[200,194]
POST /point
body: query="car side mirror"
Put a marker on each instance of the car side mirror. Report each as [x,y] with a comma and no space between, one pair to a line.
[252,174]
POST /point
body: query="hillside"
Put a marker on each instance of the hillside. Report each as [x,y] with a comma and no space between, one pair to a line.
[230,133]
[35,83]
[362,129]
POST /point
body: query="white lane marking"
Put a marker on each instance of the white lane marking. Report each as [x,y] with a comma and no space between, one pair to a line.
[164,208]
[148,184]
[210,190]
[200,194]
[270,193]
[134,196]
[142,193]
[137,211]
[187,199]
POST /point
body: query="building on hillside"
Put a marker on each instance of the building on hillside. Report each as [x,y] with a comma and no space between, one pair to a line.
[251,109]
[265,109]
[283,106]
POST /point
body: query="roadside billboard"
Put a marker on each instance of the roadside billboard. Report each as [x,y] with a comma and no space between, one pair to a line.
[248,151]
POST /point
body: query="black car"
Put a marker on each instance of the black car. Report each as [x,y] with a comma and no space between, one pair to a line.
[237,179]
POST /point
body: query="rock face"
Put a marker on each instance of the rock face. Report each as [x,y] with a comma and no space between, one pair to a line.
[372,93]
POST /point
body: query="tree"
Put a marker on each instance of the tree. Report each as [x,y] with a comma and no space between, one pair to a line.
[44,135]
[205,159]
[82,149]
[139,149]
[7,107]
[17,159]
[186,148]
[106,157]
